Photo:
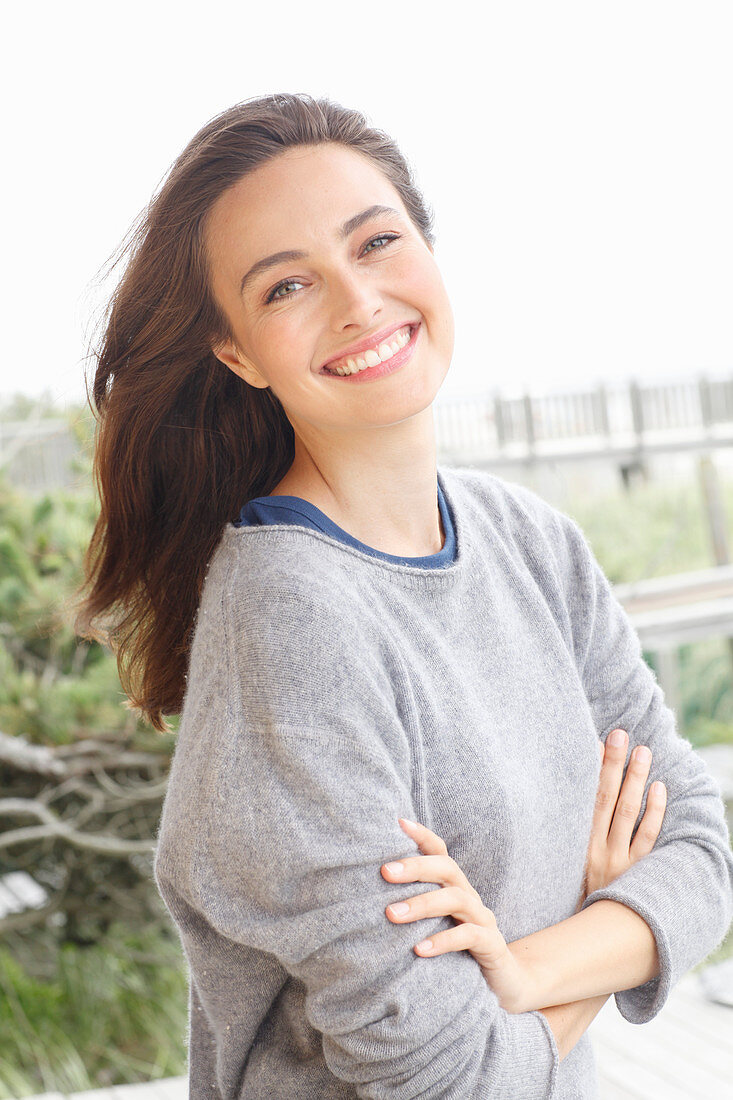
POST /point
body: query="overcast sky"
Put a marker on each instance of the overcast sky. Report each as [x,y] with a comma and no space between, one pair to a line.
[578,157]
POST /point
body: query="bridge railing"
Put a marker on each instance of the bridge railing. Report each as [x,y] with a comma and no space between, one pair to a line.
[489,424]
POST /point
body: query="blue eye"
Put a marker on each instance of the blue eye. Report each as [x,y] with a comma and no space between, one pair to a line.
[387,237]
[273,295]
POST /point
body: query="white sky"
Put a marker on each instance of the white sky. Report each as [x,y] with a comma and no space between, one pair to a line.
[578,155]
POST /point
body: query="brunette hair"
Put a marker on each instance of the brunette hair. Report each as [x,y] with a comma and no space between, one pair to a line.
[182,442]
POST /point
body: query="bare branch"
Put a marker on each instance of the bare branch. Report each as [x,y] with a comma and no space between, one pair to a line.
[141,792]
[55,827]
[30,758]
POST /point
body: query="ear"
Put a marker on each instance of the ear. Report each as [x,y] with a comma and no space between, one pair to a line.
[227,354]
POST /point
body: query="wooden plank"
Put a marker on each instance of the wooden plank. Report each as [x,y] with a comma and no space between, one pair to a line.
[687,1047]
[171,1088]
[669,1050]
[148,1090]
[710,1025]
[49,1096]
[637,1079]
[610,1091]
[94,1094]
[642,1073]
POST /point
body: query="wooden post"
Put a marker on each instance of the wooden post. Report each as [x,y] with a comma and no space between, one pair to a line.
[706,405]
[600,411]
[717,520]
[528,422]
[637,465]
[668,676]
[637,410]
[499,421]
[714,508]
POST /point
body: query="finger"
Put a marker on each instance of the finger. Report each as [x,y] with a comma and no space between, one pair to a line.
[651,823]
[440,869]
[428,841]
[433,845]
[609,784]
[451,901]
[486,942]
[629,802]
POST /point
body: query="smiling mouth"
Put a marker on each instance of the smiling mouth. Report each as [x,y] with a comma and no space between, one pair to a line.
[374,357]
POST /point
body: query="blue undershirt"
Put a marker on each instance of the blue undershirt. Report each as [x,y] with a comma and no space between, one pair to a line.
[261,511]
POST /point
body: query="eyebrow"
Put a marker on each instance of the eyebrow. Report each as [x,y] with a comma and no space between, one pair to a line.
[285,257]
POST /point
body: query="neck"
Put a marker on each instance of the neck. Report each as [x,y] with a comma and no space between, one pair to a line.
[379,485]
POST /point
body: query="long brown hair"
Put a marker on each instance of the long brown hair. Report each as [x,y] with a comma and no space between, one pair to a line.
[181,442]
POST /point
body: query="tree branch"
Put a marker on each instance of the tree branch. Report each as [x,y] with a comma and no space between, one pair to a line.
[55,827]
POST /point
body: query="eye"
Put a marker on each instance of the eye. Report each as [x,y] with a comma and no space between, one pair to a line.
[275,296]
[388,237]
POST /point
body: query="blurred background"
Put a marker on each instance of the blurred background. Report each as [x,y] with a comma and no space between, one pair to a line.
[578,160]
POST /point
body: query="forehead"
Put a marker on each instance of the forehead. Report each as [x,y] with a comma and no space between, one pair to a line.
[303,191]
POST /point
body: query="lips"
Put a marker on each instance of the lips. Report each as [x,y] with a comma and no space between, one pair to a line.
[368,342]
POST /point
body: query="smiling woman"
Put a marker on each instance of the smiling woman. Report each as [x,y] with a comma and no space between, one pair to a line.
[354,635]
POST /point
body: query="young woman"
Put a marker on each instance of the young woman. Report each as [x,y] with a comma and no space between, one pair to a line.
[357,639]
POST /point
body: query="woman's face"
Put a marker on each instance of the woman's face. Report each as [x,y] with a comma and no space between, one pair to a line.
[291,316]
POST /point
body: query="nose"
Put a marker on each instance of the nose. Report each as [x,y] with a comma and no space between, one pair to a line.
[354,300]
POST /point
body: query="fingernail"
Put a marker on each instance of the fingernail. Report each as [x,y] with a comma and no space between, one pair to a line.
[642,755]
[616,738]
[406,821]
[425,945]
[394,868]
[399,908]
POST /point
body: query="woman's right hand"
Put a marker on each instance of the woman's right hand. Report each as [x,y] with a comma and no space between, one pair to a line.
[611,850]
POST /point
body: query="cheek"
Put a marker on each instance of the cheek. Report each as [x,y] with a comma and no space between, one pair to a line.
[436,303]
[280,341]
[283,349]
[426,283]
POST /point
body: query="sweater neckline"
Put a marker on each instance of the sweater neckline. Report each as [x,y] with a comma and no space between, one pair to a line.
[411,575]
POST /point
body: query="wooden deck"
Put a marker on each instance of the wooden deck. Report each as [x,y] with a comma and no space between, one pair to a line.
[685,1053]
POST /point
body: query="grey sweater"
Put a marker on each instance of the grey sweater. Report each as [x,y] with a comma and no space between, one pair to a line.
[329,693]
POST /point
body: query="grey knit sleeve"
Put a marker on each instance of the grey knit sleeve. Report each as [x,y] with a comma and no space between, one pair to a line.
[683,889]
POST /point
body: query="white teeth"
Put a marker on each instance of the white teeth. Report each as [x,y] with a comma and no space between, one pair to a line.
[371,357]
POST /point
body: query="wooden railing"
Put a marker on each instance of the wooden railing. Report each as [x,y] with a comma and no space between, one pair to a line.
[618,422]
[667,612]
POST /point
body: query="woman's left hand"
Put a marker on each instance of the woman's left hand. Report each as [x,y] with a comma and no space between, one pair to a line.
[477,931]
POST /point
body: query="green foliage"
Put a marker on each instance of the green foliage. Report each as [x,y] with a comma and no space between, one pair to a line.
[652,531]
[110,1013]
[54,686]
[22,407]
[82,1004]
[656,530]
